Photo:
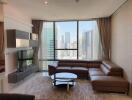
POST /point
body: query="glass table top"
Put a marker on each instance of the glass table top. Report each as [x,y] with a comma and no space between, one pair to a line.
[64,75]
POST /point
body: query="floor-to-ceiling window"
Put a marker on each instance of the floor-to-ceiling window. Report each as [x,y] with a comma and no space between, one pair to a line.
[88,40]
[47,45]
[66,40]
[69,40]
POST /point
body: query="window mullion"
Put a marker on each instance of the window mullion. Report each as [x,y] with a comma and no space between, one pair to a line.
[54,40]
[77,39]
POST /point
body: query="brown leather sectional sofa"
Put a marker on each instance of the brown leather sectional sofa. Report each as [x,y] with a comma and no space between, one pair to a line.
[104,75]
[78,67]
[2,66]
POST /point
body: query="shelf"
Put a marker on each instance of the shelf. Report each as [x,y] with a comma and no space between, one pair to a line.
[17,38]
[33,43]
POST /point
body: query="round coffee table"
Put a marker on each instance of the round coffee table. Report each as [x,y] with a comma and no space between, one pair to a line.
[64,79]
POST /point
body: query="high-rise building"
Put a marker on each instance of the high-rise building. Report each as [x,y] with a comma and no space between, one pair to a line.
[49,42]
[87,44]
[67,43]
[67,40]
[47,45]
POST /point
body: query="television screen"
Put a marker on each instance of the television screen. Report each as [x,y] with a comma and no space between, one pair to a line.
[23,65]
[25,54]
[25,59]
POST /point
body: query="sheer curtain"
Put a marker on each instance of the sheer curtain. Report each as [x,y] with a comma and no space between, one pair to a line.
[47,45]
[37,28]
[89,42]
[97,48]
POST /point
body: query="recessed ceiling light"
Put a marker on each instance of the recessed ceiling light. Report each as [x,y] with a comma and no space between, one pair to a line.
[77,0]
[46,2]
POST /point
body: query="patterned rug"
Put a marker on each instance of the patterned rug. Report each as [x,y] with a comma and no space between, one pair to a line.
[41,86]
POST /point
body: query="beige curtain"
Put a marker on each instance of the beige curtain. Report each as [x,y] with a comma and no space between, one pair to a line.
[104,25]
[37,28]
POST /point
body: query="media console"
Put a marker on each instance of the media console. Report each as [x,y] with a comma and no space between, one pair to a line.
[25,65]
[18,76]
[24,44]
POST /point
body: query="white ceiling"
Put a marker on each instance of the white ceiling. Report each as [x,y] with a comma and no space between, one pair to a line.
[67,9]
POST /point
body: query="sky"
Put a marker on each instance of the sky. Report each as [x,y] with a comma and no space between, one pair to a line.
[72,27]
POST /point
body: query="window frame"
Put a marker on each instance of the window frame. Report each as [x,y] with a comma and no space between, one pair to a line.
[55,49]
[54,35]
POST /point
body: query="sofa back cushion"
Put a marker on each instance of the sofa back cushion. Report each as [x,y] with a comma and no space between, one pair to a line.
[72,63]
[79,63]
[94,64]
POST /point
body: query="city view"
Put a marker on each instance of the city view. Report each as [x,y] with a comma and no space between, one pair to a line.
[66,40]
[67,44]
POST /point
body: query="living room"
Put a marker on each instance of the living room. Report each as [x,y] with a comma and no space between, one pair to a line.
[65,49]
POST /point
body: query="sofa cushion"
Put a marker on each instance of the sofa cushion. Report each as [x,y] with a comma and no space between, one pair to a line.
[63,69]
[109,81]
[94,69]
[96,73]
[79,70]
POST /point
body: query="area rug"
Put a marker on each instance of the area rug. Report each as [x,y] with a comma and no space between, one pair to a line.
[41,86]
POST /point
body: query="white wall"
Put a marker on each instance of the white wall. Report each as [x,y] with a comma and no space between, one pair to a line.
[122,39]
[14,19]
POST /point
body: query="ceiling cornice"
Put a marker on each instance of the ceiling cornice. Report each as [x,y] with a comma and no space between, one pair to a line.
[119,7]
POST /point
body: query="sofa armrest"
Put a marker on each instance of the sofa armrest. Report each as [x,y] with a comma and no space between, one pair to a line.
[52,68]
[16,97]
[2,62]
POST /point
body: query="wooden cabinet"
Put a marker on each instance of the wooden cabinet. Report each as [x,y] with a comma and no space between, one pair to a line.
[33,40]
[17,38]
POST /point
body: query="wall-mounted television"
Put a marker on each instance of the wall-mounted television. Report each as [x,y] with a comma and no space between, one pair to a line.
[24,59]
[25,54]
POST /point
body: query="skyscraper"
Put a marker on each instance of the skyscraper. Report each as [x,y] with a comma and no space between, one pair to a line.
[67,40]
[87,44]
[48,41]
[67,43]
[47,45]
